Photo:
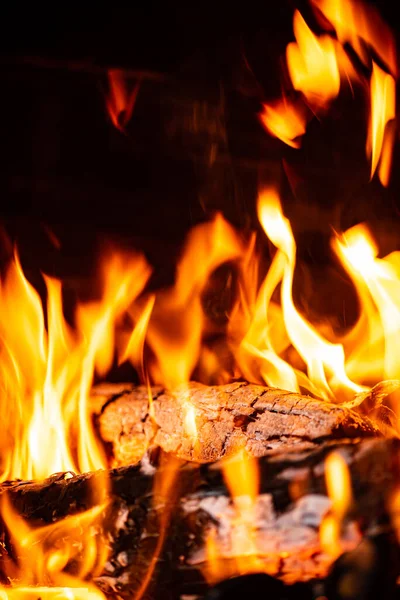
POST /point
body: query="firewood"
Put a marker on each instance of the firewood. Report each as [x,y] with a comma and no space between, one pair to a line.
[291,504]
[227,417]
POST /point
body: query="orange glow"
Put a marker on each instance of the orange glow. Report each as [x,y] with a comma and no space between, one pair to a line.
[43,554]
[383,110]
[312,64]
[121,100]
[285,120]
[338,484]
[46,373]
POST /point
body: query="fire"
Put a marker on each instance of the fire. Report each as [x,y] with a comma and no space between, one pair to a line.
[325,361]
[383,110]
[377,282]
[76,539]
[312,64]
[46,373]
[285,120]
[242,480]
[121,100]
[176,327]
[315,64]
[362,27]
[338,485]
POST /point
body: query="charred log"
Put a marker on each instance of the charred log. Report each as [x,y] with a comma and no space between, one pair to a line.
[290,507]
[227,417]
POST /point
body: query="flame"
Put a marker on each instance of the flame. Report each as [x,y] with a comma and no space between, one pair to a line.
[241,476]
[312,64]
[175,330]
[360,26]
[121,101]
[383,110]
[377,282]
[76,539]
[325,361]
[46,373]
[284,120]
[338,483]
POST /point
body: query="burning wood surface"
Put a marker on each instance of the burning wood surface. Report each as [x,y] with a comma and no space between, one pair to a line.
[307,451]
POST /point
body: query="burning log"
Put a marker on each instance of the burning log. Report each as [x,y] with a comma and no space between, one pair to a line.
[147,530]
[225,418]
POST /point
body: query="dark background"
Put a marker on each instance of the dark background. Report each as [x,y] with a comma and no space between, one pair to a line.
[193,145]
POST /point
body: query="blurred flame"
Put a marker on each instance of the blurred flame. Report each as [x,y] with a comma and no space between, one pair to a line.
[338,484]
[312,64]
[360,25]
[121,101]
[383,110]
[43,556]
[241,476]
[284,120]
[46,373]
[315,64]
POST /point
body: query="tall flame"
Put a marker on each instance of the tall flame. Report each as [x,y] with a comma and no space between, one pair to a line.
[46,373]
[383,110]
[325,361]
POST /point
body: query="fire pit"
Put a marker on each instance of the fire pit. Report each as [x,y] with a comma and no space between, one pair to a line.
[214,416]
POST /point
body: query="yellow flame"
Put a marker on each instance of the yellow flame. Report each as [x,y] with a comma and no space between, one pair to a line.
[284,120]
[46,373]
[377,282]
[312,64]
[360,25]
[338,484]
[325,361]
[383,110]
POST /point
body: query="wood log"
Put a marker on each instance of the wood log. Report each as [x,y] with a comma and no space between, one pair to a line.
[227,417]
[292,501]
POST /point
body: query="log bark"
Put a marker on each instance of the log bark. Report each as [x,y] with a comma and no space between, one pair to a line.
[227,417]
[291,503]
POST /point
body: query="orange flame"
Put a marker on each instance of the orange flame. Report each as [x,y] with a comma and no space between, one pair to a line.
[360,26]
[325,361]
[285,120]
[121,100]
[242,479]
[383,110]
[377,282]
[312,64]
[46,374]
[338,485]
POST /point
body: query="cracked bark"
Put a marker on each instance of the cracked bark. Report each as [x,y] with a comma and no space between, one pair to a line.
[228,417]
